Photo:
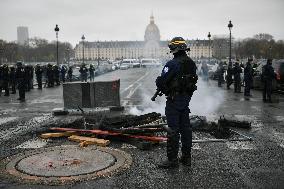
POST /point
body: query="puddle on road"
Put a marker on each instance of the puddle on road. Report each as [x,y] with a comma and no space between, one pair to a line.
[33,143]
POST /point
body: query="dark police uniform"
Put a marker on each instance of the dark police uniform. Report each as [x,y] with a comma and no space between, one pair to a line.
[237,70]
[1,80]
[5,79]
[84,72]
[63,73]
[13,79]
[248,78]
[56,74]
[220,74]
[50,76]
[268,75]
[21,80]
[92,72]
[38,72]
[229,75]
[173,81]
[70,73]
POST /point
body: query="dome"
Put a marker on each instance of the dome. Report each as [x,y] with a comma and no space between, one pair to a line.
[152,31]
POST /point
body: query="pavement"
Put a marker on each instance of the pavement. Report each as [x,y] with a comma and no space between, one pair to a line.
[251,164]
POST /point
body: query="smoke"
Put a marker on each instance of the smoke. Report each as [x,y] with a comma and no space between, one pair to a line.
[205,101]
[148,106]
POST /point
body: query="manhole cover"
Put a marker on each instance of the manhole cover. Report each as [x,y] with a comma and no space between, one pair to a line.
[58,165]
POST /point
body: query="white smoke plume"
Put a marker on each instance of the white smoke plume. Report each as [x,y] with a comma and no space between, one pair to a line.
[205,101]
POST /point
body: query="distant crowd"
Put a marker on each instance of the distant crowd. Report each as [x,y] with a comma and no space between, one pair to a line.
[22,77]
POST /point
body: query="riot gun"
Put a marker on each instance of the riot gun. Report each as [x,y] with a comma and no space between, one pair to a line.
[158,92]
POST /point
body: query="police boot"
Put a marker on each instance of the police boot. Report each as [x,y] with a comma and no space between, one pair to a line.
[186,160]
[168,164]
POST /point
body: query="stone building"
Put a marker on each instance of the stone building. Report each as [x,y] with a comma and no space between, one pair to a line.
[151,47]
[22,35]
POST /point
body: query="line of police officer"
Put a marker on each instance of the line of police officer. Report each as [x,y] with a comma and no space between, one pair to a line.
[84,72]
[267,77]
[22,77]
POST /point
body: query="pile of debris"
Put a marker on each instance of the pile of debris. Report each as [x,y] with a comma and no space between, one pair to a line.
[149,128]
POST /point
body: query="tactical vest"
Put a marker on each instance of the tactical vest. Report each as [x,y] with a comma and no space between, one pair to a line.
[185,81]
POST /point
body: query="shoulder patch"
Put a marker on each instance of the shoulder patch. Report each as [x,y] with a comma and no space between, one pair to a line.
[166,69]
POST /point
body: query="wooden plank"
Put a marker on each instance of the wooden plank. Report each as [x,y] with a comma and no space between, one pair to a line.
[112,133]
[89,140]
[57,135]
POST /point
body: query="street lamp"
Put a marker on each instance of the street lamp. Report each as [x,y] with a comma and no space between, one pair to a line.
[230,26]
[83,40]
[1,53]
[56,29]
[209,36]
[270,51]
[98,46]
[68,56]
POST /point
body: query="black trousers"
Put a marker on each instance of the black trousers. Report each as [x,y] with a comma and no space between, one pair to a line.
[177,114]
[39,82]
[248,86]
[267,90]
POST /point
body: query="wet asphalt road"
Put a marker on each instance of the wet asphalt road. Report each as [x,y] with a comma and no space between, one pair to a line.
[256,164]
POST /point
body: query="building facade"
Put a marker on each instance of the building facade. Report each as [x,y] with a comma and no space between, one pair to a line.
[151,47]
[22,35]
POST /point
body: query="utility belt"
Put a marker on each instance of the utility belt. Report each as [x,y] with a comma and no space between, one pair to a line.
[177,93]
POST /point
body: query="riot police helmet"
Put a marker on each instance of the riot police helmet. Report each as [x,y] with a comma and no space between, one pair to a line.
[19,63]
[178,44]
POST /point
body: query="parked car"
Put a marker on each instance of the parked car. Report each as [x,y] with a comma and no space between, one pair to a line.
[132,63]
[149,62]
[124,66]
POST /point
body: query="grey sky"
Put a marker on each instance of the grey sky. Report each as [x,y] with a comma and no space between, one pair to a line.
[127,19]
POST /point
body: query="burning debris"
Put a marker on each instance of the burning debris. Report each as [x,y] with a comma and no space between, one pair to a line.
[149,128]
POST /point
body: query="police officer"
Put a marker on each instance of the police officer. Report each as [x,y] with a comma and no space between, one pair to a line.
[1,79]
[92,72]
[27,77]
[220,74]
[50,76]
[5,79]
[229,75]
[204,70]
[177,82]
[268,75]
[70,73]
[21,81]
[56,74]
[13,79]
[38,72]
[248,77]
[63,73]
[84,72]
[237,70]
[31,76]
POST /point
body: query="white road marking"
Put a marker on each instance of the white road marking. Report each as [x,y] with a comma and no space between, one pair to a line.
[131,92]
[240,145]
[137,81]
